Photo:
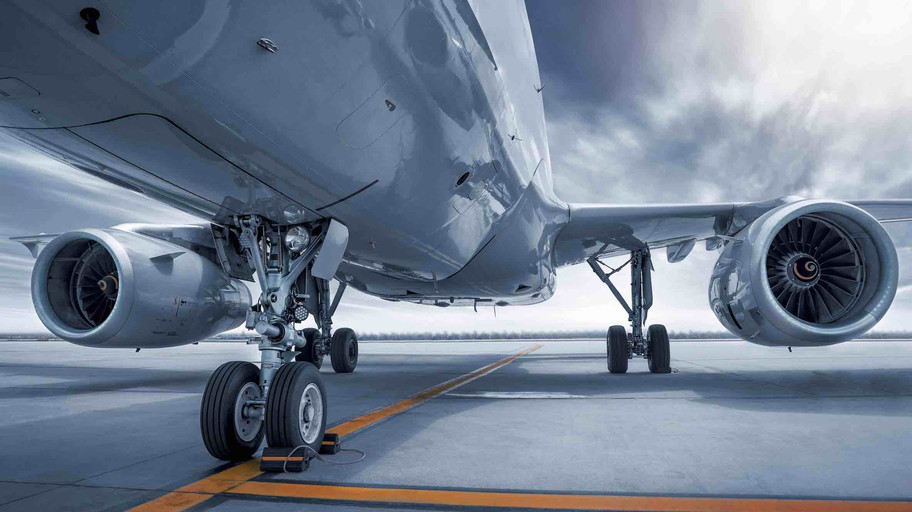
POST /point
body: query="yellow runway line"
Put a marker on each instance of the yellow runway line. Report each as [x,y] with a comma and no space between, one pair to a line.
[395,496]
[197,492]
[361,422]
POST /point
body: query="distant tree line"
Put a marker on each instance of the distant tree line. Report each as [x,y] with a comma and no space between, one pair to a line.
[571,335]
[487,335]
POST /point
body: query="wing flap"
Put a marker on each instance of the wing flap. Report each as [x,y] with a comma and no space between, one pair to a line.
[887,210]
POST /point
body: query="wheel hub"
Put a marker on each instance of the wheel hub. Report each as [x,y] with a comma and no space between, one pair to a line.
[310,414]
[247,425]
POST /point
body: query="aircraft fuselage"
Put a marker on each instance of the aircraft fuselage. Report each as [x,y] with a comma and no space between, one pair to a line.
[417,124]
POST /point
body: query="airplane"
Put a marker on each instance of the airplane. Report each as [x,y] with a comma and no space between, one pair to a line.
[397,147]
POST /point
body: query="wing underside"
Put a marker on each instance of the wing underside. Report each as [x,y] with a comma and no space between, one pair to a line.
[606,230]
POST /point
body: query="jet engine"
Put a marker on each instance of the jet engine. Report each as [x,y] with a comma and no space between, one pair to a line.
[117,288]
[808,273]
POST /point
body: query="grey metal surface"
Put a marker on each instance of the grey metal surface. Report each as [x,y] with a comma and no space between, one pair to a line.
[735,419]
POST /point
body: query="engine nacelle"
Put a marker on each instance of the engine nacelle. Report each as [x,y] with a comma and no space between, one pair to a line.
[116,288]
[808,273]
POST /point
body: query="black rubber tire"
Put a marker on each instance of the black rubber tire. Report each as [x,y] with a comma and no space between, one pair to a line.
[617,349]
[309,353]
[217,412]
[344,350]
[659,355]
[288,384]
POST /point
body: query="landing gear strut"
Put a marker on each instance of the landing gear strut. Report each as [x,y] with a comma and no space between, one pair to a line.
[654,346]
[285,399]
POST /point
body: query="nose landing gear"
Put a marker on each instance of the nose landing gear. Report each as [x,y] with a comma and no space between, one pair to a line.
[621,346]
[285,399]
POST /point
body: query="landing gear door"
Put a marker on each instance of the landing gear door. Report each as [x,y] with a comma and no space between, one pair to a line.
[331,251]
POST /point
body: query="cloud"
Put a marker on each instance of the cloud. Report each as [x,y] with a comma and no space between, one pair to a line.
[730,101]
[706,102]
[41,195]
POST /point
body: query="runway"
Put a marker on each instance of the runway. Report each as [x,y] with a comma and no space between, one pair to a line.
[454,425]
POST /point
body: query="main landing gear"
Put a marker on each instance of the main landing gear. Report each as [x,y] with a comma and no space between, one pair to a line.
[284,400]
[622,346]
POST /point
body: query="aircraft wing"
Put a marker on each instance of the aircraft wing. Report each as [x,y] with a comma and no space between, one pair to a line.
[606,230]
[887,210]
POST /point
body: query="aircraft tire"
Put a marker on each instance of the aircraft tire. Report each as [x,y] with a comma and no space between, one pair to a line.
[309,354]
[659,356]
[617,349]
[296,407]
[344,350]
[227,434]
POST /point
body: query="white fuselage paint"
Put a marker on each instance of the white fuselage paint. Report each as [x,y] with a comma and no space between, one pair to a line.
[418,124]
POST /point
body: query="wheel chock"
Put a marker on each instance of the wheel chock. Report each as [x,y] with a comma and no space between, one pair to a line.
[285,459]
[331,445]
[281,460]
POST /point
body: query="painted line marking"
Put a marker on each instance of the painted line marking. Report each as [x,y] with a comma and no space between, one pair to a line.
[518,395]
[198,492]
[393,496]
[350,427]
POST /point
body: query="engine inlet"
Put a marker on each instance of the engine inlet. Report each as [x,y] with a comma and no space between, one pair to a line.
[815,270]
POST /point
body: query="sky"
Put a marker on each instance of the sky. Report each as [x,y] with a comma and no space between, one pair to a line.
[644,102]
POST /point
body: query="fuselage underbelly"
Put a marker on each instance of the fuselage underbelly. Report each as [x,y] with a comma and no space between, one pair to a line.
[418,124]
